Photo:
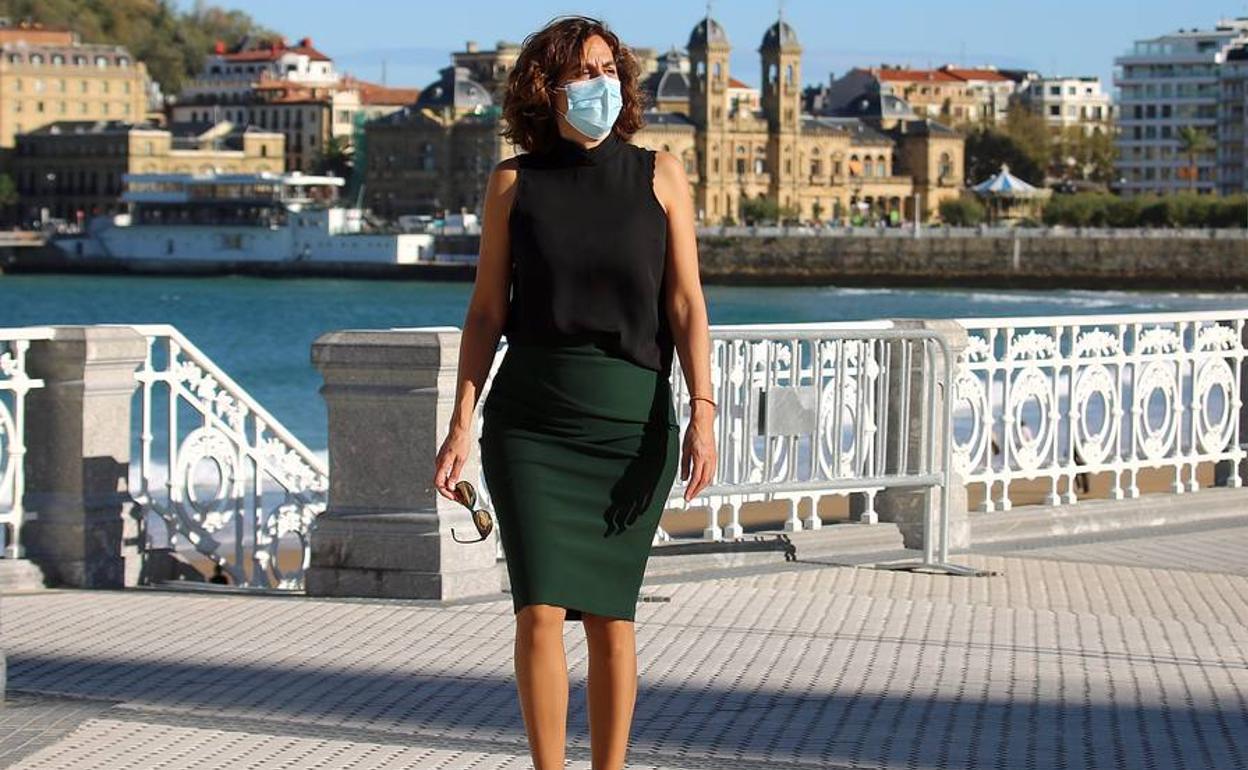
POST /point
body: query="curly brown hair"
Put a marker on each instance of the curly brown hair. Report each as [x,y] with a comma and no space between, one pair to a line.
[528,104]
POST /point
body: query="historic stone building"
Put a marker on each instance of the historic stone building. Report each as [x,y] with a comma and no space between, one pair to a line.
[74,169]
[49,75]
[434,155]
[290,88]
[737,143]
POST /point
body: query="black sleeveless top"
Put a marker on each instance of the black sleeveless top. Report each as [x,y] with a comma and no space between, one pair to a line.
[588,246]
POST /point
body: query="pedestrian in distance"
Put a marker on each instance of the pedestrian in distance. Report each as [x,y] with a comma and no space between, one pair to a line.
[588,266]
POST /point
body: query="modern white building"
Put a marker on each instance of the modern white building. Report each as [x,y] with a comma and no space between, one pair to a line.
[1164,84]
[1068,102]
[1233,122]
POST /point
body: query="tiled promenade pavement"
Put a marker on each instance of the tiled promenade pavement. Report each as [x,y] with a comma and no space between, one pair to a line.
[1117,652]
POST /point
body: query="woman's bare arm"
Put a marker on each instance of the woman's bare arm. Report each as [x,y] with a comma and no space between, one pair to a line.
[687,315]
[483,325]
[487,308]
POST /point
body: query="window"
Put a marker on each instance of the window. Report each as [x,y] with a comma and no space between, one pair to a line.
[58,60]
[101,62]
[945,167]
[36,59]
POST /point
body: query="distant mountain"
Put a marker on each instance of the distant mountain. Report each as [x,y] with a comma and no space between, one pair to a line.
[171,42]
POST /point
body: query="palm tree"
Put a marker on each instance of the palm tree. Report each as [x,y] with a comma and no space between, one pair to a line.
[1193,143]
[337,157]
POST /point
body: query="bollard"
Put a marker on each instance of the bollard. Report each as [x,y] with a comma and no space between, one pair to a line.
[82,531]
[386,530]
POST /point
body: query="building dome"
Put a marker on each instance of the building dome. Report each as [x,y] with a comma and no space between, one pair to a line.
[454,89]
[707,31]
[780,34]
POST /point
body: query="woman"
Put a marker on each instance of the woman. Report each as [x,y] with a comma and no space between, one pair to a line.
[594,238]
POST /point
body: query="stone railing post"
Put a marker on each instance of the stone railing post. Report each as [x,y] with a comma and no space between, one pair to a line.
[82,530]
[908,507]
[385,531]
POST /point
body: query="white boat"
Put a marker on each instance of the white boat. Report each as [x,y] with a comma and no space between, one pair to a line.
[238,218]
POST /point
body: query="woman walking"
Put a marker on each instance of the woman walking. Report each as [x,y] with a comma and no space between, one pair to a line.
[588,265]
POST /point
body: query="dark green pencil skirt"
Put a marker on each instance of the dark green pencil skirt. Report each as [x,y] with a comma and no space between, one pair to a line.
[579,450]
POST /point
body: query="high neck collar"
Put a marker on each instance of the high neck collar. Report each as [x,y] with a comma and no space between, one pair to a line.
[565,150]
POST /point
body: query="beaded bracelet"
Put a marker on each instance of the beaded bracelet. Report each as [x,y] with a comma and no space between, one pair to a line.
[702,398]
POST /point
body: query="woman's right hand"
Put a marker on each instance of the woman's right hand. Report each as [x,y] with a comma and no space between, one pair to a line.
[450,460]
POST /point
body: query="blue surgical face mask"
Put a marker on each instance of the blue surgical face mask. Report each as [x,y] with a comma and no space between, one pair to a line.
[593,105]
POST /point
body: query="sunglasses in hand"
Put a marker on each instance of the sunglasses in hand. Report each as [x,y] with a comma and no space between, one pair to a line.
[466,495]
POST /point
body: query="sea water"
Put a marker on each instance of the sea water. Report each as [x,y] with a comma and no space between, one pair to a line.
[260,331]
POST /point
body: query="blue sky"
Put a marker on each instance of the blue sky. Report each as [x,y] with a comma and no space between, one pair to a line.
[415,38]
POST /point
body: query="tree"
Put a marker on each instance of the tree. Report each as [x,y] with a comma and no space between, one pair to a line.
[760,209]
[962,212]
[1194,143]
[987,149]
[8,191]
[1077,154]
[337,157]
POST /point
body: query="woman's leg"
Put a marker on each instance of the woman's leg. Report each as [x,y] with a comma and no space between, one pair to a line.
[542,681]
[612,687]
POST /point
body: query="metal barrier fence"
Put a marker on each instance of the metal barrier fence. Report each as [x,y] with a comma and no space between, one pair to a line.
[15,383]
[1059,398]
[822,409]
[265,486]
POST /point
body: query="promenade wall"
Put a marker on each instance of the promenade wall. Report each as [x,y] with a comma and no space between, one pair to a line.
[1087,262]
[1098,260]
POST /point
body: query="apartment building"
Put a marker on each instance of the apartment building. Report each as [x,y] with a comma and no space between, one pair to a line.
[49,75]
[1171,82]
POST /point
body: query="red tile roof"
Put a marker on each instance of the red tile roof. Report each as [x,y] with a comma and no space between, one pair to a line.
[273,51]
[974,74]
[908,75]
[734,83]
[373,93]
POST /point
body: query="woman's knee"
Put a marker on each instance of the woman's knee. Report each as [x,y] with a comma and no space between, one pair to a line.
[541,617]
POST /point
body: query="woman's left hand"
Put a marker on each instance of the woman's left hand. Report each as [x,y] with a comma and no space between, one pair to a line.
[699,457]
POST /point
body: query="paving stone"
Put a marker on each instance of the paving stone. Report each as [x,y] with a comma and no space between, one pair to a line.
[1101,652]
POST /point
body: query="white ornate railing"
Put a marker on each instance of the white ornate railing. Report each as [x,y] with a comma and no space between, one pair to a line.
[1059,397]
[14,385]
[232,482]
